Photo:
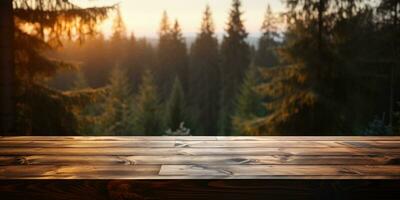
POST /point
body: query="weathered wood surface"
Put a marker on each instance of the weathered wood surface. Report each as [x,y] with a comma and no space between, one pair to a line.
[199,158]
[117,168]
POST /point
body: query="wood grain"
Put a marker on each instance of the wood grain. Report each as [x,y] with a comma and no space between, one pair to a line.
[279,170]
[120,168]
[199,157]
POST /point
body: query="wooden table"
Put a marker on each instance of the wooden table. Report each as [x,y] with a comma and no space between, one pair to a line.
[199,167]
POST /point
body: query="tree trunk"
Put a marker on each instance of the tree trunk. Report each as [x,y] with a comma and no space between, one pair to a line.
[7,72]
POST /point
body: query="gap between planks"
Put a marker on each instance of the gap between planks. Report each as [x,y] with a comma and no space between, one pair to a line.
[202,138]
[200,144]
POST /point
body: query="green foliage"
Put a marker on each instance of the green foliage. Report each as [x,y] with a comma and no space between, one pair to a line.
[175,107]
[323,88]
[235,56]
[87,113]
[331,71]
[117,118]
[205,77]
[171,56]
[249,105]
[147,117]
[43,111]
[49,23]
[266,54]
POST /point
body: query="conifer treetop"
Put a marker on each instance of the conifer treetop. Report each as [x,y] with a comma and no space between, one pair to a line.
[207,24]
[235,26]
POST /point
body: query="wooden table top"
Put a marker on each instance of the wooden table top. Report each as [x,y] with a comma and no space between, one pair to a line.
[159,158]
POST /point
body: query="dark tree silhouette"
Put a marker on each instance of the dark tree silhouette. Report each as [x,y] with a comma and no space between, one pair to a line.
[235,56]
[205,76]
[7,71]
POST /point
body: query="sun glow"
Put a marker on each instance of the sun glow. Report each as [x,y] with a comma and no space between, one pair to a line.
[143,17]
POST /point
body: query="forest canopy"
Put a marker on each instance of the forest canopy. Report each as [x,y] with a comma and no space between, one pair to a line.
[333,70]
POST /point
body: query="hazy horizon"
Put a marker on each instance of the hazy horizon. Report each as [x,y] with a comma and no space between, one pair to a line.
[143,17]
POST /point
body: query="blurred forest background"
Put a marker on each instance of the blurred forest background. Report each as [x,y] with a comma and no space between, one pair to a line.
[334,70]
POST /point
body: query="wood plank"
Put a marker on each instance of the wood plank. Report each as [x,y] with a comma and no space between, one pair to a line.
[198,151]
[79,172]
[152,172]
[199,160]
[201,138]
[279,170]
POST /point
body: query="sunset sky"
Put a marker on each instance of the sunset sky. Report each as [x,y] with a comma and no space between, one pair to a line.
[143,16]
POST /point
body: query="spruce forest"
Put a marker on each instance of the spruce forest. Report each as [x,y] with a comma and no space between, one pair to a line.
[334,69]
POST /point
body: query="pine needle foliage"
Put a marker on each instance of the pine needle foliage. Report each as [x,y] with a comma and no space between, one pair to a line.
[40,26]
[148,110]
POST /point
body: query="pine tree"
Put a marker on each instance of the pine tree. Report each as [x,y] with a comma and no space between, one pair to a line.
[249,104]
[117,118]
[175,108]
[119,28]
[205,76]
[308,93]
[172,56]
[163,55]
[296,88]
[7,79]
[389,11]
[88,115]
[148,119]
[179,56]
[119,43]
[144,57]
[266,54]
[235,55]
[50,21]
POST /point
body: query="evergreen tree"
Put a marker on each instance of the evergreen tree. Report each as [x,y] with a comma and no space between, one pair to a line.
[7,79]
[205,76]
[308,93]
[42,110]
[119,28]
[172,56]
[295,88]
[175,110]
[87,115]
[119,43]
[164,61]
[389,12]
[148,119]
[235,55]
[179,56]
[249,104]
[143,57]
[117,118]
[266,54]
